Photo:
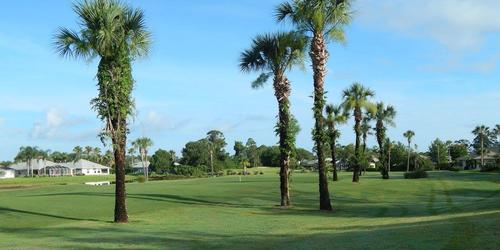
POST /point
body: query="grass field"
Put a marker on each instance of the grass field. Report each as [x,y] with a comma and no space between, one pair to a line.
[446,211]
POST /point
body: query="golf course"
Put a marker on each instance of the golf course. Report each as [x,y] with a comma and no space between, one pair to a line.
[448,210]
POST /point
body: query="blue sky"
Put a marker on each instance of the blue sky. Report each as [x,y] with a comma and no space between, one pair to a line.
[435,61]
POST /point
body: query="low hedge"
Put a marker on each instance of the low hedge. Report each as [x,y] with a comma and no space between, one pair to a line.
[416,174]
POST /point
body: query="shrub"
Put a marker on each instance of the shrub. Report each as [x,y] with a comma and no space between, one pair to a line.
[455,169]
[261,173]
[416,174]
[255,172]
[491,167]
[141,179]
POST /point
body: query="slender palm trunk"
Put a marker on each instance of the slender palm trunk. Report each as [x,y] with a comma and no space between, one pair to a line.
[408,162]
[362,170]
[119,142]
[482,152]
[319,57]
[380,140]
[357,130]
[282,92]
[212,160]
[333,148]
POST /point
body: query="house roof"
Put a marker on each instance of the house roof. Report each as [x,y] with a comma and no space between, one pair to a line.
[83,164]
[139,164]
[40,164]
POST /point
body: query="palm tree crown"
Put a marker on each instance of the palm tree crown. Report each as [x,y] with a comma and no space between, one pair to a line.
[357,97]
[409,135]
[327,17]
[107,28]
[273,54]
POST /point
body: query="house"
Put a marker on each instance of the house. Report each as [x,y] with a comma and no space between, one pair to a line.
[138,167]
[473,161]
[40,167]
[7,173]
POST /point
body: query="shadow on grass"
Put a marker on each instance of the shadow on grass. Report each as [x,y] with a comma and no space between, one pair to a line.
[397,235]
[12,210]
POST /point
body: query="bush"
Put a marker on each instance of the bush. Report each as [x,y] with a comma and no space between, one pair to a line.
[261,173]
[141,179]
[455,169]
[491,167]
[255,172]
[416,174]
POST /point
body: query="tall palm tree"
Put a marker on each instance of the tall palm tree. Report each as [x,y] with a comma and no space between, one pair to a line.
[77,153]
[482,134]
[357,98]
[388,149]
[385,115]
[88,152]
[142,145]
[116,34]
[409,135]
[274,55]
[334,116]
[323,21]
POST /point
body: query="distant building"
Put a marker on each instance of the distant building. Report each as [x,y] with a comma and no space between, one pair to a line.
[138,168]
[7,173]
[473,160]
[40,167]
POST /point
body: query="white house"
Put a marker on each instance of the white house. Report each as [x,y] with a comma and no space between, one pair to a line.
[138,168]
[47,168]
[7,173]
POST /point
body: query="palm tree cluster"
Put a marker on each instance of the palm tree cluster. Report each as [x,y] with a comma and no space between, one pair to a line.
[316,23]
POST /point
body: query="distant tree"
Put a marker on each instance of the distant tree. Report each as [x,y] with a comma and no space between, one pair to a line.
[274,55]
[239,149]
[457,150]
[409,135]
[322,21]
[142,145]
[196,153]
[270,156]
[334,116]
[29,154]
[482,140]
[385,116]
[116,34]
[252,153]
[161,161]
[217,142]
[438,151]
[357,99]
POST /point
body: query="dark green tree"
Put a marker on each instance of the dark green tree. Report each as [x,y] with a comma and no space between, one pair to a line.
[409,135]
[252,153]
[161,161]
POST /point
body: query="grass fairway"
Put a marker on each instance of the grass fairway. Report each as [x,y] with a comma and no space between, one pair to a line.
[447,211]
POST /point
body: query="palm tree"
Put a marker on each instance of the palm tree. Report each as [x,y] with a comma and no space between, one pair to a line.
[274,54]
[142,145]
[365,131]
[77,153]
[28,154]
[357,99]
[116,34]
[385,115]
[482,134]
[335,116]
[409,135]
[388,149]
[323,21]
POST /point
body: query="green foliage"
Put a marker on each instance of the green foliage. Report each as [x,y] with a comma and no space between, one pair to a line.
[269,156]
[491,167]
[196,153]
[438,151]
[418,174]
[252,153]
[141,179]
[484,138]
[161,161]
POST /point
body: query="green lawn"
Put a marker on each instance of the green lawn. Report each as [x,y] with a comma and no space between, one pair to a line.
[446,211]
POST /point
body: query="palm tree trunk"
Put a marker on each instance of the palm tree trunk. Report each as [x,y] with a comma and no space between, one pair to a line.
[408,162]
[333,148]
[319,57]
[380,140]
[119,142]
[282,92]
[357,130]
[482,152]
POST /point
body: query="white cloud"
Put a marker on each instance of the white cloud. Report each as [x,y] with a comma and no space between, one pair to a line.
[59,125]
[457,24]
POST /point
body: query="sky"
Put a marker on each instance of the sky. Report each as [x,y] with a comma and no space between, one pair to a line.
[437,62]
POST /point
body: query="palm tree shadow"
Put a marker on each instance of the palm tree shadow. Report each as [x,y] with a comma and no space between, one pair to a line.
[13,210]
